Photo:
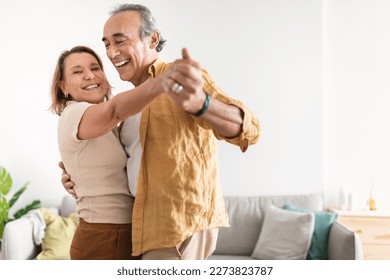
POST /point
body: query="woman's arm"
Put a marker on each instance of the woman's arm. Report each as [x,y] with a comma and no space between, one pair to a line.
[101,118]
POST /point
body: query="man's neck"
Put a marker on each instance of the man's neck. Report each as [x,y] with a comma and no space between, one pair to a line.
[145,74]
[143,78]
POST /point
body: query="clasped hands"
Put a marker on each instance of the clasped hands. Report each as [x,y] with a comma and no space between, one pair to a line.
[183,82]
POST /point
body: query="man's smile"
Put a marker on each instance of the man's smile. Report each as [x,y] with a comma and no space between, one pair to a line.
[122,63]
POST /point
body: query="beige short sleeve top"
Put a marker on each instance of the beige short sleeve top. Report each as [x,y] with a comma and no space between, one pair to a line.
[98,169]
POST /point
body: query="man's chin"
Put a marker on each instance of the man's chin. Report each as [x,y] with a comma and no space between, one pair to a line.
[126,74]
[124,77]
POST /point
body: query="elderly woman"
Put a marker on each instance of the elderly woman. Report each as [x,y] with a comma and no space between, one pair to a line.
[92,153]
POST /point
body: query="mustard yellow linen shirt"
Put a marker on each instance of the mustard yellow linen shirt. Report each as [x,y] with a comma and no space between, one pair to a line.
[178,191]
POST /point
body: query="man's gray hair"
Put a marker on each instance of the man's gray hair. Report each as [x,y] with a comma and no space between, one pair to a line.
[148,22]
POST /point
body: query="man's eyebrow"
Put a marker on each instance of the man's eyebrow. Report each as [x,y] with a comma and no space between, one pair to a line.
[119,34]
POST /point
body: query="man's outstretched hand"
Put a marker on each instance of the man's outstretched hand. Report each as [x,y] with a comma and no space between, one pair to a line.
[66,182]
[184,83]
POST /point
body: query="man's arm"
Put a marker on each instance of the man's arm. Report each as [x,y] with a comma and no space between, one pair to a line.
[66,182]
[227,120]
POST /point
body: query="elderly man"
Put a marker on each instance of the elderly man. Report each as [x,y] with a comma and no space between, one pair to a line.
[172,145]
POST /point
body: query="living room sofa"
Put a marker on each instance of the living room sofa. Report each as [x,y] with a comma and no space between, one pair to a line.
[20,236]
[247,216]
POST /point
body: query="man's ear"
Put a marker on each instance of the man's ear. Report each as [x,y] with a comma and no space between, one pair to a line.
[154,40]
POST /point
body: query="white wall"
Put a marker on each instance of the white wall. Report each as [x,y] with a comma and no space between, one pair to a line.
[357,70]
[265,53]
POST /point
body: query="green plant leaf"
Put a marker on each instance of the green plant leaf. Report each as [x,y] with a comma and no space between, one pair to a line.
[33,205]
[5,186]
[5,181]
[15,197]
[4,207]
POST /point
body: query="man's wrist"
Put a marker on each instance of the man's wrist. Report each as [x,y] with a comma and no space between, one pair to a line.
[205,106]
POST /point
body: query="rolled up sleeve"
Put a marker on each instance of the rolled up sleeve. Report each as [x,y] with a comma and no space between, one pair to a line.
[251,130]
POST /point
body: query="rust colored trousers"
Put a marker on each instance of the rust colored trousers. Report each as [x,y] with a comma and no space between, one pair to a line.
[102,242]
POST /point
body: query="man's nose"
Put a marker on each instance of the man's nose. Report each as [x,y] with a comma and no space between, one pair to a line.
[112,52]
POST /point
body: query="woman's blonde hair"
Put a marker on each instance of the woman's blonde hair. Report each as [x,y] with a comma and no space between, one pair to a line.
[58,97]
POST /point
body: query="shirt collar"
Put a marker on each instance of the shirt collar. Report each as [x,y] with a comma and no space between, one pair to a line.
[157,67]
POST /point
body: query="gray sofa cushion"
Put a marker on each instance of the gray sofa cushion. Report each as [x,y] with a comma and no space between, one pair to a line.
[323,223]
[246,216]
[285,235]
[242,235]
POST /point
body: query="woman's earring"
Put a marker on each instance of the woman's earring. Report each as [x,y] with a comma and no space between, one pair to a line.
[66,94]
